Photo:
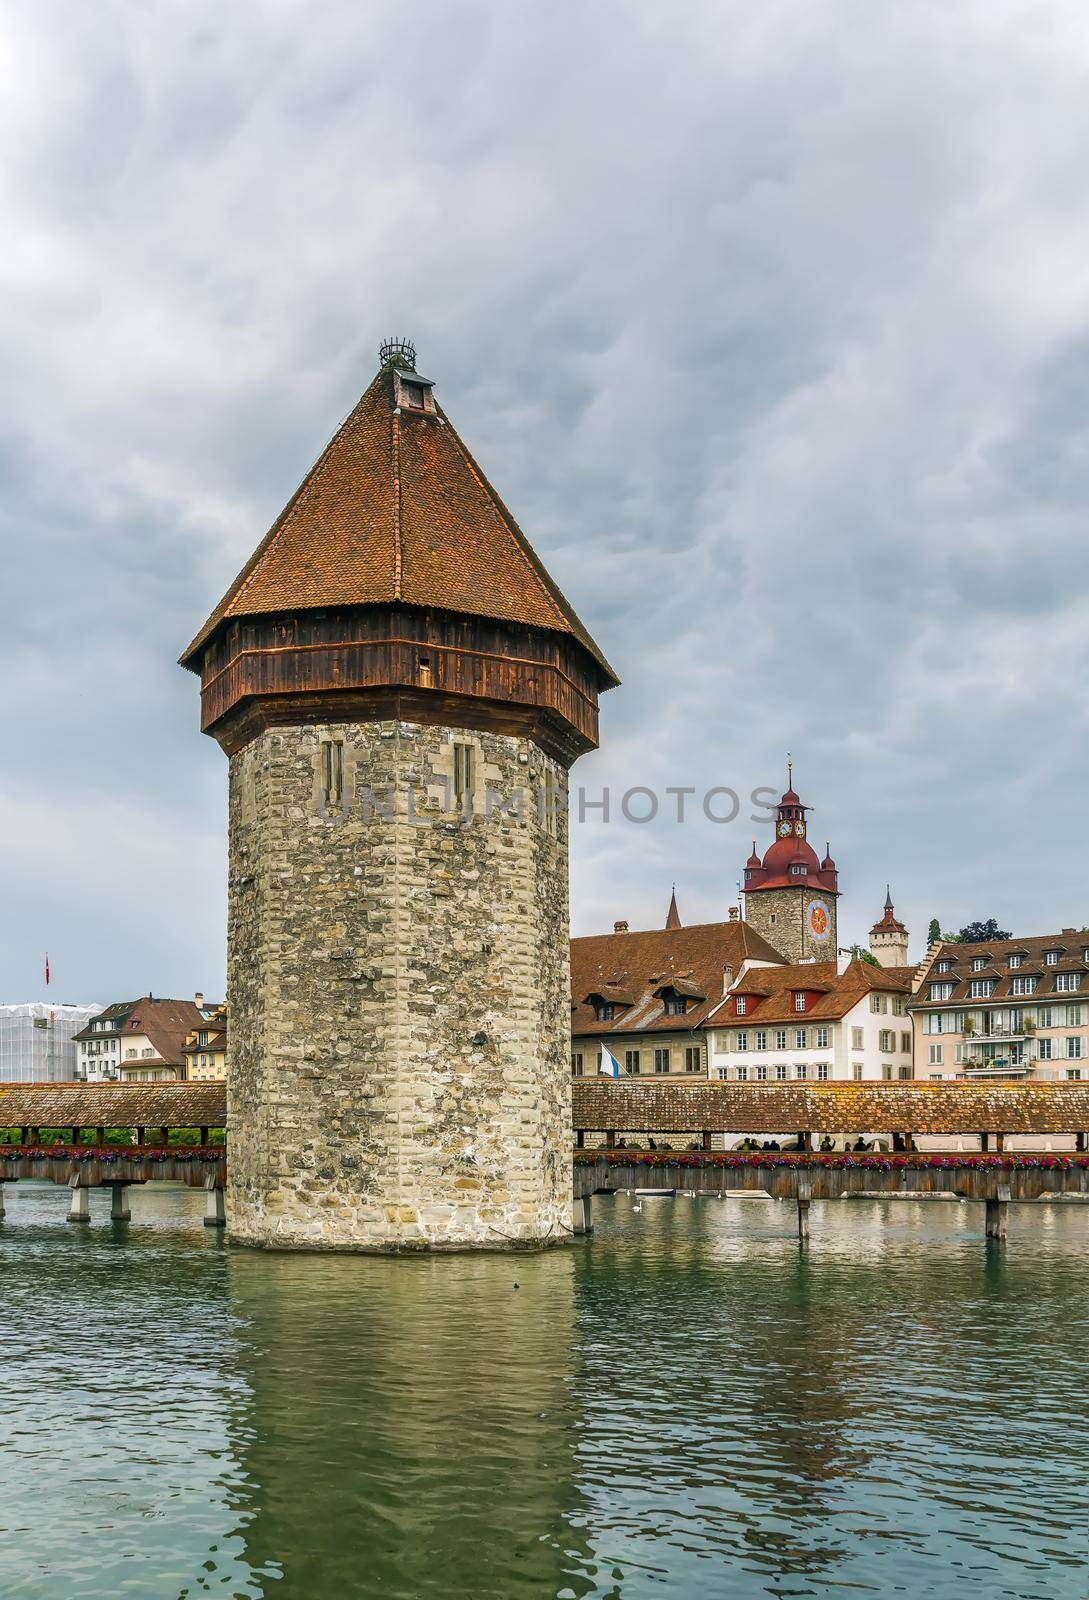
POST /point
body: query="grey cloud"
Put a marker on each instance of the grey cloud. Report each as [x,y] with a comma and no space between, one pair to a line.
[769,323]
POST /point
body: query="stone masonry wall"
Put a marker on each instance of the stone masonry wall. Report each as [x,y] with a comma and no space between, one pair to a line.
[399,991]
[779,916]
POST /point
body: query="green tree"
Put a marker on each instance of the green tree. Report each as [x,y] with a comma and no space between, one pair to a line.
[983,932]
[860,953]
[934,932]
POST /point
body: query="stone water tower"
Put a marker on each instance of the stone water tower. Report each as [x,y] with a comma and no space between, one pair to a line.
[401,690]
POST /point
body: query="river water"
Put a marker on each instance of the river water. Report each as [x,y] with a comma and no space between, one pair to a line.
[686,1405]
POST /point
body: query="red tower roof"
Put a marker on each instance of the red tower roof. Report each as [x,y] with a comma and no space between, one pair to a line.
[888,923]
[396,511]
[791,862]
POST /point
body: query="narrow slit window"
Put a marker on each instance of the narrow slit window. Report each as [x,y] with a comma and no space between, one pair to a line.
[463,772]
[332,773]
[424,667]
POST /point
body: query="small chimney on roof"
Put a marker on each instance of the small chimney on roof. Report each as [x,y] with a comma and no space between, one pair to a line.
[620,927]
[733,913]
[198,999]
[727,977]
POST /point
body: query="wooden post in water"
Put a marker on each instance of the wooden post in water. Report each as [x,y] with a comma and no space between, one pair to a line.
[79,1205]
[996,1212]
[215,1212]
[581,1216]
[805,1192]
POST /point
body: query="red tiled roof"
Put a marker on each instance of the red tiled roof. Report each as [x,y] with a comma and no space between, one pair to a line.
[642,963]
[770,991]
[396,510]
[166,1023]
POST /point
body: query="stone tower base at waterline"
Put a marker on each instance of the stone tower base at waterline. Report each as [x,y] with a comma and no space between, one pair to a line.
[399,984]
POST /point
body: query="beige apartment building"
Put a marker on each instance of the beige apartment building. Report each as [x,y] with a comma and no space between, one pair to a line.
[1013,1008]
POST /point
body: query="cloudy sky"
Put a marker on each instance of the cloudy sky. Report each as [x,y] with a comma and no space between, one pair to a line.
[770,322]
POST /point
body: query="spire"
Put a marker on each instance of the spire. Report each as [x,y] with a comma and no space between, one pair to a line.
[673,916]
[888,898]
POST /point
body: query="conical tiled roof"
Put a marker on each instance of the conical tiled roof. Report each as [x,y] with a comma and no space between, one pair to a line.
[395,509]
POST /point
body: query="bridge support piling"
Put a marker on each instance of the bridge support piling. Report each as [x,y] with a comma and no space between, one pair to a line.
[79,1200]
[997,1213]
[581,1216]
[215,1211]
[119,1203]
[805,1193]
[2,1212]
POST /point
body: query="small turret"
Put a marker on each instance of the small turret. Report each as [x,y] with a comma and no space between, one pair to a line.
[889,937]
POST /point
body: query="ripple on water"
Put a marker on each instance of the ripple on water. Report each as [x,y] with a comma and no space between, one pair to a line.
[685,1405]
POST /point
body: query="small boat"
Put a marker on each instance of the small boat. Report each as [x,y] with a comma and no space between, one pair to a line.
[655,1194]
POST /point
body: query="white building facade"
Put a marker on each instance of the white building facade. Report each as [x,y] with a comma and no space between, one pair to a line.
[813,1023]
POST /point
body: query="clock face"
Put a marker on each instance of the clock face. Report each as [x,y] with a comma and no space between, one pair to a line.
[784,830]
[818,921]
[799,829]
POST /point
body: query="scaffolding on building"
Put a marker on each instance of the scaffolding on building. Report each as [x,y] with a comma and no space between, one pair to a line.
[37,1041]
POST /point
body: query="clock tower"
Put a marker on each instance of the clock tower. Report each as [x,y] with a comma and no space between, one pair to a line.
[791,894]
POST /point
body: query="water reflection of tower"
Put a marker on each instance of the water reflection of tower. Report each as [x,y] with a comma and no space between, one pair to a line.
[410,1429]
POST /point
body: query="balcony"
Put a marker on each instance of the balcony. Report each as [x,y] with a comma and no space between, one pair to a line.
[1002,1034]
[980,1071]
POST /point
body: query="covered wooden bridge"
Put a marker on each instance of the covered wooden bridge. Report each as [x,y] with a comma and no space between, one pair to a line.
[687,1116]
[115,1135]
[91,1136]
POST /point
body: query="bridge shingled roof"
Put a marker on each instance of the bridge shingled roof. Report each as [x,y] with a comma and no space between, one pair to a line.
[113,1105]
[931,1108]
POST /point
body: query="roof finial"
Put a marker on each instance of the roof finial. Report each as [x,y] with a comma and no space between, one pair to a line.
[673,916]
[398,353]
[790,771]
[888,897]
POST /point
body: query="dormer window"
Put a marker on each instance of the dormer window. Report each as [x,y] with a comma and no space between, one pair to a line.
[742,1005]
[799,871]
[675,1005]
[799,1000]
[1052,958]
[945,966]
[604,1010]
[978,963]
[1015,962]
[414,393]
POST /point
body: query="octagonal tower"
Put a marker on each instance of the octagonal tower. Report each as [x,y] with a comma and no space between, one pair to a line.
[401,690]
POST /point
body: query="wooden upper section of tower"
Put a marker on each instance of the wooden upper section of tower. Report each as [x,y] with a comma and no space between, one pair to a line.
[395,583]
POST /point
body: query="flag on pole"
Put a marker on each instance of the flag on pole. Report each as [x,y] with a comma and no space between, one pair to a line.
[47,969]
[608,1064]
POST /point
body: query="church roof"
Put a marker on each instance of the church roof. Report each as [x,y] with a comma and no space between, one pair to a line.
[395,510]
